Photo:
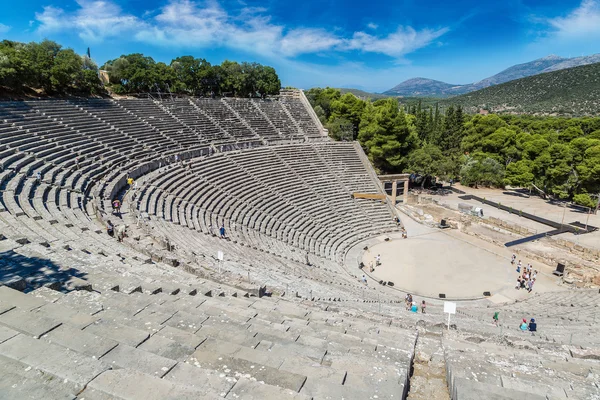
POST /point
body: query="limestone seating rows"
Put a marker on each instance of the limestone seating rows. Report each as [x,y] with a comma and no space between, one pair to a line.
[296,200]
[296,110]
[477,368]
[555,313]
[210,346]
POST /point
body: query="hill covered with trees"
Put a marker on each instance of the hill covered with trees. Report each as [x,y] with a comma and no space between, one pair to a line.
[46,68]
[571,92]
[560,156]
[136,73]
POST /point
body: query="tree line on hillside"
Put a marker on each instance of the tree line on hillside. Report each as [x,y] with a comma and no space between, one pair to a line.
[567,92]
[48,67]
[136,73]
[555,156]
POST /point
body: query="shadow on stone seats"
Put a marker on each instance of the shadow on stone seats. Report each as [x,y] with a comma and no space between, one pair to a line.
[29,273]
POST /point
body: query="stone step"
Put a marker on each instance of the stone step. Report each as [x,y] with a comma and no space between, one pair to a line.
[168,348]
[118,332]
[29,323]
[232,366]
[65,364]
[182,337]
[81,341]
[66,315]
[465,389]
[20,381]
[251,390]
[124,356]
[200,378]
[15,298]
[131,384]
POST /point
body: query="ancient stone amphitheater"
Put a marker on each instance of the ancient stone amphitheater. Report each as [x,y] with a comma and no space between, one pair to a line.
[282,316]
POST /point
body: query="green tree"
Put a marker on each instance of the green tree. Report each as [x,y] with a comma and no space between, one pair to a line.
[66,71]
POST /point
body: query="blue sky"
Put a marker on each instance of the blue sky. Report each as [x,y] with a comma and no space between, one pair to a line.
[372,45]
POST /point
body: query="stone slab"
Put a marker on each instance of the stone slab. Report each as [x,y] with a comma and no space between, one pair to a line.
[19,381]
[121,333]
[124,356]
[588,354]
[7,333]
[182,337]
[28,322]
[168,348]
[46,294]
[234,366]
[63,363]
[369,375]
[251,390]
[83,301]
[80,341]
[131,384]
[201,379]
[465,389]
[318,389]
[186,321]
[19,299]
[65,314]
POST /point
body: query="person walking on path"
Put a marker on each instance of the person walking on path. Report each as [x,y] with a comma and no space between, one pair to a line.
[364,279]
[423,306]
[519,267]
[496,317]
[116,206]
[222,231]
[514,257]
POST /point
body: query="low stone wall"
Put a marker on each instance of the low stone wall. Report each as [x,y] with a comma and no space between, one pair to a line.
[586,252]
[521,230]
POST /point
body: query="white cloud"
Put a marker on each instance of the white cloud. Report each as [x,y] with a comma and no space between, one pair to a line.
[372,25]
[4,28]
[199,25]
[397,44]
[580,23]
[94,20]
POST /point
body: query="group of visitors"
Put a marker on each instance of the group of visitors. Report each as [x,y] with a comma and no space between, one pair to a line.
[402,229]
[411,305]
[523,326]
[526,278]
[377,263]
[531,327]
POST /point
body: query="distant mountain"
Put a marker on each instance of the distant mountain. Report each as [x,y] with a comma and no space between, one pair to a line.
[363,94]
[428,87]
[518,71]
[574,62]
[423,87]
[571,92]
